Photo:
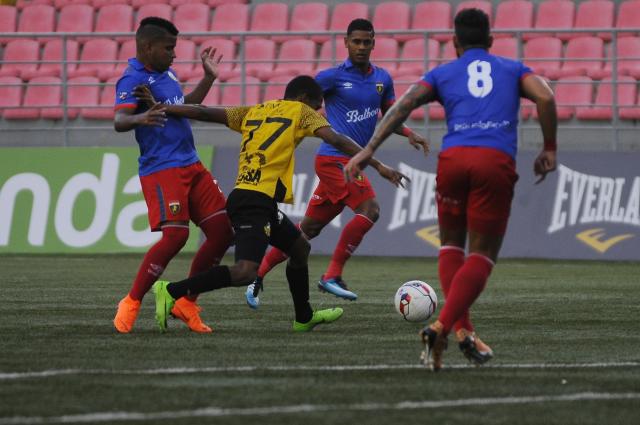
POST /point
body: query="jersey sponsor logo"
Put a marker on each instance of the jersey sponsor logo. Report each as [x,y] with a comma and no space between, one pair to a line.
[174,207]
[175,100]
[347,85]
[251,168]
[123,95]
[357,116]
[379,88]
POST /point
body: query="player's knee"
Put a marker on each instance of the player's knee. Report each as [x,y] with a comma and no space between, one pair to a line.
[175,237]
[311,229]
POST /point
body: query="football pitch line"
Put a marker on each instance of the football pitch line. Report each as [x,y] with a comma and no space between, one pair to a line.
[311,408]
[7,376]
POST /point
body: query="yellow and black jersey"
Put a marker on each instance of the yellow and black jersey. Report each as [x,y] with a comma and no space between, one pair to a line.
[270,133]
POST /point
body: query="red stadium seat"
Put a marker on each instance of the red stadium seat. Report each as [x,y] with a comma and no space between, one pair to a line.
[154,9]
[327,58]
[414,61]
[60,4]
[385,54]
[216,3]
[98,58]
[52,56]
[81,91]
[483,5]
[270,17]
[526,108]
[127,50]
[211,99]
[344,13]
[401,85]
[137,4]
[275,87]
[231,18]
[309,18]
[184,64]
[115,18]
[193,17]
[432,15]
[584,56]
[631,113]
[571,92]
[259,56]
[392,16]
[557,14]
[97,4]
[227,68]
[543,55]
[506,47]
[629,17]
[175,3]
[25,55]
[104,110]
[628,57]
[513,14]
[296,57]
[41,92]
[436,111]
[8,20]
[602,107]
[10,93]
[21,4]
[37,18]
[233,90]
[75,18]
[594,14]
[448,53]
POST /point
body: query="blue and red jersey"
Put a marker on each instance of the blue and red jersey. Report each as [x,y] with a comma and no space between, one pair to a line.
[160,147]
[480,93]
[353,100]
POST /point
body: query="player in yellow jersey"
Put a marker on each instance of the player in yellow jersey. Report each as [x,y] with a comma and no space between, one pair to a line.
[270,133]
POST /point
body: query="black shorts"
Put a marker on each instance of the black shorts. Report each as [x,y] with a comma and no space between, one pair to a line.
[258,223]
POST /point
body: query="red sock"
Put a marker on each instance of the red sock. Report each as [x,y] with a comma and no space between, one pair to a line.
[157,258]
[272,258]
[466,286]
[450,260]
[350,238]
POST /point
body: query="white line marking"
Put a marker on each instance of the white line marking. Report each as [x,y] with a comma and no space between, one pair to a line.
[185,370]
[309,408]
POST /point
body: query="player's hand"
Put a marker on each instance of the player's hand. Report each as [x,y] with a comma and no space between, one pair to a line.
[355,165]
[155,116]
[544,163]
[394,176]
[144,95]
[210,62]
[418,141]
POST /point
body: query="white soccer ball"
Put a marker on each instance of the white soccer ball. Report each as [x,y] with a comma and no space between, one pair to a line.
[416,301]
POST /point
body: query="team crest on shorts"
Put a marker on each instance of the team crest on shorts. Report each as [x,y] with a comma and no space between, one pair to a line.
[174,207]
[379,87]
[267,229]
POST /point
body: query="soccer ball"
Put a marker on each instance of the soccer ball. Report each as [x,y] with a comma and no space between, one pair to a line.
[416,301]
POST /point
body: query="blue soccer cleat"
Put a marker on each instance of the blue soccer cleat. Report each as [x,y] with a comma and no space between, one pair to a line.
[253,301]
[337,287]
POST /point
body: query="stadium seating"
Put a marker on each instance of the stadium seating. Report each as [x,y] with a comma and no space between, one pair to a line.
[104,111]
[184,64]
[37,18]
[628,57]
[344,13]
[115,18]
[52,56]
[390,16]
[211,99]
[127,50]
[137,4]
[231,18]
[385,54]
[412,59]
[401,85]
[602,107]
[227,68]
[97,4]
[233,88]
[629,17]
[275,87]
[41,92]
[513,14]
[310,17]
[583,56]
[10,93]
[75,18]
[571,92]
[448,53]
[483,5]
[8,20]
[24,53]
[59,4]
[176,3]
[506,47]
[543,55]
[259,57]
[631,113]
[192,17]
[594,14]
[296,57]
[270,17]
[81,91]
[432,15]
[557,14]
[326,59]
[97,59]
[154,9]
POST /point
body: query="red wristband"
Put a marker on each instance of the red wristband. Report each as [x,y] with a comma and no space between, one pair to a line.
[406,131]
[550,145]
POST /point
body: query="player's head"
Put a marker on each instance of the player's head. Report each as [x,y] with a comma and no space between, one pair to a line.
[360,41]
[472,30]
[305,89]
[155,43]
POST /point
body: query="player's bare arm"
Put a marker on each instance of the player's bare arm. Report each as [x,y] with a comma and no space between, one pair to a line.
[537,90]
[210,66]
[126,119]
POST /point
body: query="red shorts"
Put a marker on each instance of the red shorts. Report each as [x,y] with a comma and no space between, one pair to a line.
[474,189]
[181,194]
[334,192]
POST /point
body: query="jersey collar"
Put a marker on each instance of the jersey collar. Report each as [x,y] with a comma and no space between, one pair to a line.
[139,66]
[349,65]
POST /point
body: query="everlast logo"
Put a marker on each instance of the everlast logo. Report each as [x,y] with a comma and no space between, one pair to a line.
[584,199]
[417,202]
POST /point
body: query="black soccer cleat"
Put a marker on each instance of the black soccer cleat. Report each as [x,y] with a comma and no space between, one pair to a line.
[470,350]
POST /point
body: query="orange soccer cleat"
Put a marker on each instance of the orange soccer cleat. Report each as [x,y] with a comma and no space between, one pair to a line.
[126,315]
[189,312]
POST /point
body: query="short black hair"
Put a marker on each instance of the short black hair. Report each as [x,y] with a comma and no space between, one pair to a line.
[303,85]
[360,24]
[472,28]
[155,27]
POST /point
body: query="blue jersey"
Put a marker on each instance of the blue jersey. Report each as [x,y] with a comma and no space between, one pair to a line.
[480,93]
[353,101]
[160,147]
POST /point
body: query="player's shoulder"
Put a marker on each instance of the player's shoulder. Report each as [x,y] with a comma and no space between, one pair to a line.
[381,72]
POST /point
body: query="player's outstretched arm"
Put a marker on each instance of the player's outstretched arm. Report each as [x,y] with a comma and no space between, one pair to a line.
[126,119]
[210,66]
[537,90]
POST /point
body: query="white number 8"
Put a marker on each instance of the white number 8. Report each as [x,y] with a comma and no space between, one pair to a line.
[480,82]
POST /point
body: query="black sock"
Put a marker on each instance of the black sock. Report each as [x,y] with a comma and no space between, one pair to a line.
[298,279]
[215,278]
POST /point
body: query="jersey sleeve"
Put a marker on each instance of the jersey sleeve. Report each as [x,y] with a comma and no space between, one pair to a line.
[124,92]
[235,117]
[524,70]
[325,79]
[310,121]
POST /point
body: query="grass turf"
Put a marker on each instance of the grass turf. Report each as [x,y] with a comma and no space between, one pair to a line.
[57,310]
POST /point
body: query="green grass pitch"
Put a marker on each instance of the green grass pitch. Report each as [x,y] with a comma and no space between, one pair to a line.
[565,334]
